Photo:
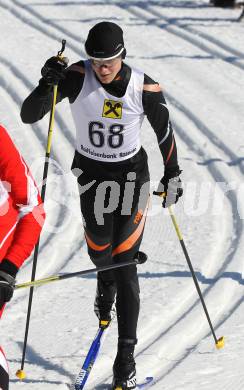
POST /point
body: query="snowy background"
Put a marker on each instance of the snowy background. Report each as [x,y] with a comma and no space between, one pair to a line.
[196,53]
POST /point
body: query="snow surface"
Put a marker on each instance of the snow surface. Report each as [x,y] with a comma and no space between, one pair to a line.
[196,53]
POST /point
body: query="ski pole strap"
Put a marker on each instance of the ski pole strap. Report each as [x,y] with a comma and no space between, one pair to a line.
[60,53]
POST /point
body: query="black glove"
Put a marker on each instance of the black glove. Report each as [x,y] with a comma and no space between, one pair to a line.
[172,190]
[7,283]
[53,70]
[8,272]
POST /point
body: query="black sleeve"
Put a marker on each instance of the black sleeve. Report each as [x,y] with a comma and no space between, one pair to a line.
[9,267]
[157,113]
[39,102]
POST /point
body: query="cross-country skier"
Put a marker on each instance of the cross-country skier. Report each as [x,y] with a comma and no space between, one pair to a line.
[108,101]
[21,220]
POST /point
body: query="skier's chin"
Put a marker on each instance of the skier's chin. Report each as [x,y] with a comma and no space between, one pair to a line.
[106,79]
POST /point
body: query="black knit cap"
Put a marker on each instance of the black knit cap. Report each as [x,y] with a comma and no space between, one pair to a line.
[105,40]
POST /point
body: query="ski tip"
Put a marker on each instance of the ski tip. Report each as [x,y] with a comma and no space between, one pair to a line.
[21,374]
[147,382]
[220,343]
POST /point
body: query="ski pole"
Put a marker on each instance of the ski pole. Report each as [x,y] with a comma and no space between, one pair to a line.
[139,258]
[218,342]
[20,373]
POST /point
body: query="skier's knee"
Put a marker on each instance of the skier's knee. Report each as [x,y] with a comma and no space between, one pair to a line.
[100,260]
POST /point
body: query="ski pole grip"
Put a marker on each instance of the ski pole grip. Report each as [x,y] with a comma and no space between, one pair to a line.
[140,257]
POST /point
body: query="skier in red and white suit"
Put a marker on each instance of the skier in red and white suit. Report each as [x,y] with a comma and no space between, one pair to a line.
[21,220]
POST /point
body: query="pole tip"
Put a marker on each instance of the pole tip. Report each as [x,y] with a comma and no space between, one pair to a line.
[20,374]
[220,343]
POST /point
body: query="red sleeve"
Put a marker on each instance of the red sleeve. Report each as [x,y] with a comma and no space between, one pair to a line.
[25,199]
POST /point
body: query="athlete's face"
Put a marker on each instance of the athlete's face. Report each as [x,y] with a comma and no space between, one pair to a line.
[106,70]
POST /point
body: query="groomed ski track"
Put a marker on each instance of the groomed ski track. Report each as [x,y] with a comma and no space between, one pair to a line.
[196,66]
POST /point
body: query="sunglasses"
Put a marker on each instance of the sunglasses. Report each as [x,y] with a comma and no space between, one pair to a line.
[107,63]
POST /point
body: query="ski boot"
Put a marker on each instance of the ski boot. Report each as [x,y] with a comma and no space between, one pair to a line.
[124,368]
[104,306]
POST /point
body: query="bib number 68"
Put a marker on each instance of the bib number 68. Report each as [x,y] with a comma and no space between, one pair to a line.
[114,139]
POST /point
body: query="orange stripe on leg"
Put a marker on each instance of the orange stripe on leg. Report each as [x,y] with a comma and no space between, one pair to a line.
[131,240]
[94,246]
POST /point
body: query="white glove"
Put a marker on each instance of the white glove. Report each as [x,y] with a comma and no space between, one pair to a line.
[171,189]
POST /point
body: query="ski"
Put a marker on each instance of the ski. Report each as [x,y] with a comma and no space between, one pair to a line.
[91,357]
[148,381]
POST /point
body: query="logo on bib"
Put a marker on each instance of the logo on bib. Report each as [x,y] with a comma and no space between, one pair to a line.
[112,109]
